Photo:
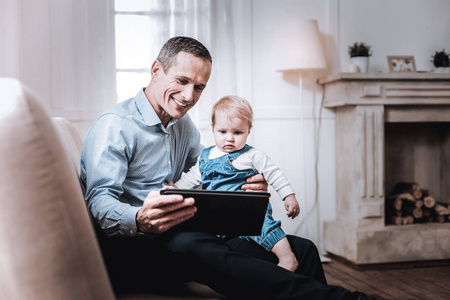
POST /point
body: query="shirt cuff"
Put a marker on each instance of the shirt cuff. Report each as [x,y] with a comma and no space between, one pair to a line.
[128,226]
[285,192]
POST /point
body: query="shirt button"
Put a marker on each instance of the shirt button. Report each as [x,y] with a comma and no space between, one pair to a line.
[167,135]
[170,162]
[131,232]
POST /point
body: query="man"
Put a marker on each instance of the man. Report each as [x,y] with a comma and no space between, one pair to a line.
[132,151]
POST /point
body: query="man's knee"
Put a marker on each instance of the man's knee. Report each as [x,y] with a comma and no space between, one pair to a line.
[302,246]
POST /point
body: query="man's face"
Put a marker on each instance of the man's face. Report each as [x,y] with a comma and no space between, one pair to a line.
[178,90]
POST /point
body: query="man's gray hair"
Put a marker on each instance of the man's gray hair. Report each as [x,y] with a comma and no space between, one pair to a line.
[168,53]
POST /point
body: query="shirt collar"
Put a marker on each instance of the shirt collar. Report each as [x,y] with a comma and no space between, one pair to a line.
[147,111]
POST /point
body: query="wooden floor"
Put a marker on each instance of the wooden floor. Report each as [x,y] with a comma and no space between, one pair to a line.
[430,281]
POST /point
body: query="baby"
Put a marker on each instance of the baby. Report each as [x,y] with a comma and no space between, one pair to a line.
[231,161]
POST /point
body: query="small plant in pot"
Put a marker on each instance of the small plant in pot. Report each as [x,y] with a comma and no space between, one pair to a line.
[359,55]
[441,61]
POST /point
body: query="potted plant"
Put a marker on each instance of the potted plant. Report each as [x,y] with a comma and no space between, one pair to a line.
[359,55]
[441,61]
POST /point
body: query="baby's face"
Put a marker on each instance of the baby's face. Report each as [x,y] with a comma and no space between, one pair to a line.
[230,133]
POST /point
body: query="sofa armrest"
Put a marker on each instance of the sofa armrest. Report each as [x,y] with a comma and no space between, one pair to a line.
[48,249]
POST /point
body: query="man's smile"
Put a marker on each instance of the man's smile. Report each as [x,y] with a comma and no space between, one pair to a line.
[179,102]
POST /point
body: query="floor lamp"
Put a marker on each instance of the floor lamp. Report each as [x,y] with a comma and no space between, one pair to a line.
[306,55]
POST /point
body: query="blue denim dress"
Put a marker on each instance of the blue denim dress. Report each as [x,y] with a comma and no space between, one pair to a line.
[220,174]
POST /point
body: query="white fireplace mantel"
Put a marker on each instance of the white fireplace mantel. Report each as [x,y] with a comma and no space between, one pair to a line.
[364,103]
[386,89]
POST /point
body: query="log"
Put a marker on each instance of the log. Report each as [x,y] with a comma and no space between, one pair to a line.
[441,210]
[397,204]
[426,192]
[397,220]
[429,214]
[394,216]
[428,198]
[405,220]
[407,196]
[429,201]
[417,193]
[419,203]
[417,213]
[408,203]
[400,187]
[394,202]
[408,220]
[441,219]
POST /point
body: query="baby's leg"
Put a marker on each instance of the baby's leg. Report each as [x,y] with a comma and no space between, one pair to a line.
[286,257]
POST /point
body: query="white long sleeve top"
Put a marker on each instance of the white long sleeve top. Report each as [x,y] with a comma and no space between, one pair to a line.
[252,158]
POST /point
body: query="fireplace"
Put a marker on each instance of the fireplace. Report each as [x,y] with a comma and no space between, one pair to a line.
[419,153]
[390,127]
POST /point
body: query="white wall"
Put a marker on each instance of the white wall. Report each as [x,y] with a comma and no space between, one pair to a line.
[407,27]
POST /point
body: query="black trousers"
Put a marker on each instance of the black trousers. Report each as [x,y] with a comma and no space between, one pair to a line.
[234,267]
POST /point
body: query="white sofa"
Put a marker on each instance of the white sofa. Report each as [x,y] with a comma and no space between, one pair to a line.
[48,248]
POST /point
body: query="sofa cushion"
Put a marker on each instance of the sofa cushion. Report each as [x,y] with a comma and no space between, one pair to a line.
[71,142]
[48,249]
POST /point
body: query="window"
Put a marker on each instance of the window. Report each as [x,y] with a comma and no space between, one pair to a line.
[141,28]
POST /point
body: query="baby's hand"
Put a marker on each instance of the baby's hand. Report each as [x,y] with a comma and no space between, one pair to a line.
[291,206]
[170,185]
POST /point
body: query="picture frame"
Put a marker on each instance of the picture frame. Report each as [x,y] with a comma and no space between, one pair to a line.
[403,63]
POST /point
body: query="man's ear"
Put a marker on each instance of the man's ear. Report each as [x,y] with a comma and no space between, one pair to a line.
[156,68]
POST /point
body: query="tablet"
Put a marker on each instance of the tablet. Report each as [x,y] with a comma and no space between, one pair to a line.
[225,212]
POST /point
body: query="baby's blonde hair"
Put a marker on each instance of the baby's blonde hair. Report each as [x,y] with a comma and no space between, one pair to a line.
[233,106]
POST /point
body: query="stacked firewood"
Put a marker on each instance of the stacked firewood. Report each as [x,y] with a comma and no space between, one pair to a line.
[409,203]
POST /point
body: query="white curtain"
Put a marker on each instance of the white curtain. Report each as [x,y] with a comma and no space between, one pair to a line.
[82,58]
[63,51]
[9,38]
[230,44]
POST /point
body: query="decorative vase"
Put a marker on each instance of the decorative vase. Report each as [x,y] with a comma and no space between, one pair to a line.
[362,62]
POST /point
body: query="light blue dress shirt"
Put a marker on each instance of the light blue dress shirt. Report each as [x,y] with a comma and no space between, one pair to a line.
[127,153]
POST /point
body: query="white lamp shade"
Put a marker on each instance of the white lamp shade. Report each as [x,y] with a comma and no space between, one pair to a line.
[305,50]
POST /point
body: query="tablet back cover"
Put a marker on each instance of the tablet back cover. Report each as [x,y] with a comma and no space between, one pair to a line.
[225,212]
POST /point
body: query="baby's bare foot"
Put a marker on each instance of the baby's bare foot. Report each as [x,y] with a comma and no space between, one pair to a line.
[289,262]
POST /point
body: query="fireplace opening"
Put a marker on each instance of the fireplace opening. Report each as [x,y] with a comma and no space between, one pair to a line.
[417,160]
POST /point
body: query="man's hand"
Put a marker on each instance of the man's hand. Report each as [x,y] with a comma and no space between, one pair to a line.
[169,185]
[161,212]
[256,183]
